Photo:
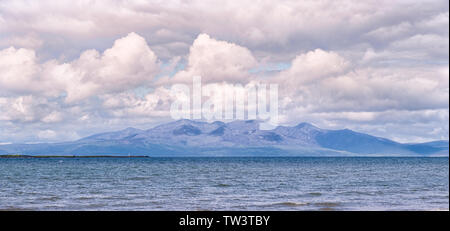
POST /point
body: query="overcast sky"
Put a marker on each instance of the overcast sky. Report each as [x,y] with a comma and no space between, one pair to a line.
[73,68]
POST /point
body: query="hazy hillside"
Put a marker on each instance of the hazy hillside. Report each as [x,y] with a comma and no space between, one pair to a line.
[238,138]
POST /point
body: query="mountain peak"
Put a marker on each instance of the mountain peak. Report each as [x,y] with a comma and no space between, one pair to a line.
[177,123]
[220,123]
[187,130]
[307,126]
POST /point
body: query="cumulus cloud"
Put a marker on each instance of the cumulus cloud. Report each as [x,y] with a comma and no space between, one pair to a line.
[127,104]
[29,109]
[128,63]
[313,66]
[364,88]
[215,61]
[18,70]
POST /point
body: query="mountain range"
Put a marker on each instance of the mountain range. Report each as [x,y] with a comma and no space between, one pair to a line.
[237,138]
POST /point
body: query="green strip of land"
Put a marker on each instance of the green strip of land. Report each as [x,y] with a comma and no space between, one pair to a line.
[100,156]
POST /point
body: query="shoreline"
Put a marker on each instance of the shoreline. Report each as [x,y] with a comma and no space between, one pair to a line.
[99,156]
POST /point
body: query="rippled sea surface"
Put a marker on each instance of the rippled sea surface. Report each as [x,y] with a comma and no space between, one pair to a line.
[224,184]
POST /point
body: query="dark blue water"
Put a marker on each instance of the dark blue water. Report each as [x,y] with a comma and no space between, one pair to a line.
[225,184]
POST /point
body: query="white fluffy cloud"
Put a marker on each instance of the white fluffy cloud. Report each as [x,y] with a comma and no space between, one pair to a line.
[215,61]
[322,81]
[17,68]
[314,66]
[127,64]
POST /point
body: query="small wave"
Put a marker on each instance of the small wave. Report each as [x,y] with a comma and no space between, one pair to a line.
[361,193]
[12,208]
[82,198]
[314,194]
[327,204]
[289,204]
[96,206]
[50,198]
[327,209]
[138,178]
[223,185]
[202,210]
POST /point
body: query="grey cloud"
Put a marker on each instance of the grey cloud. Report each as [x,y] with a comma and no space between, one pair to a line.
[281,28]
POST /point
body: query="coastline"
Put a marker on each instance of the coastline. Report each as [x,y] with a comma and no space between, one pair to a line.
[99,156]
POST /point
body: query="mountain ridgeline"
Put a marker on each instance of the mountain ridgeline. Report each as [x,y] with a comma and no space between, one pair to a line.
[238,138]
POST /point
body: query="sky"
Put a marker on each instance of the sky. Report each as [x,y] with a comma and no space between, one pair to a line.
[71,69]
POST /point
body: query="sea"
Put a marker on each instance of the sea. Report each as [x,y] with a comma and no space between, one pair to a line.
[225,183]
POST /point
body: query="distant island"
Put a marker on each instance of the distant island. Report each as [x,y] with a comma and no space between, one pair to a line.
[237,138]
